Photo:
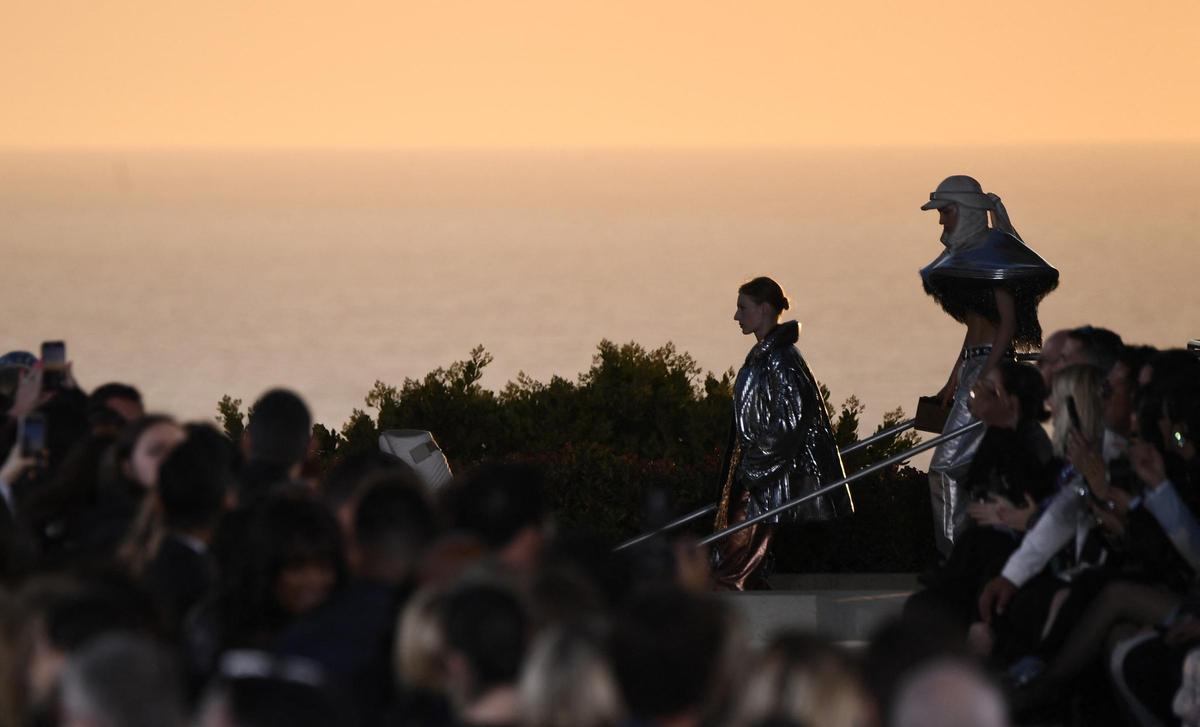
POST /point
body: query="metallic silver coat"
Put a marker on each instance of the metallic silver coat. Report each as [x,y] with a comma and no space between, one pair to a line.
[952,460]
[783,429]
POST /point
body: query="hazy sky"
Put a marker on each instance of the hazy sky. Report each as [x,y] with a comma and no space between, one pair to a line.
[436,73]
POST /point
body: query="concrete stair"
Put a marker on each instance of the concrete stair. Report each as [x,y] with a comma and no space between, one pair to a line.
[845,607]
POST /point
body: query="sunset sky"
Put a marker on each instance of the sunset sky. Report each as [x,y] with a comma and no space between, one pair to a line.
[563,73]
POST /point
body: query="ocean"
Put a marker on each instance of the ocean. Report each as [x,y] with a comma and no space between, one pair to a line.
[196,274]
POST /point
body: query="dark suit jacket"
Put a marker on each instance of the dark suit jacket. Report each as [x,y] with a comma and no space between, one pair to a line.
[178,577]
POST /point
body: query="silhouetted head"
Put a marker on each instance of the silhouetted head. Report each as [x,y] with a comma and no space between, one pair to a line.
[279,429]
[114,405]
[486,632]
[194,479]
[667,647]
[503,505]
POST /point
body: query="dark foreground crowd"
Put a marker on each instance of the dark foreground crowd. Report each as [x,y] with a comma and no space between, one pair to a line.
[156,573]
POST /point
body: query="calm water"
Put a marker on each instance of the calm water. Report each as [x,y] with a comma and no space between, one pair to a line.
[195,275]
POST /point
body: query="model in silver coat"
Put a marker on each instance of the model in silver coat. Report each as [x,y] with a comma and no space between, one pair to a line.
[782,442]
[784,432]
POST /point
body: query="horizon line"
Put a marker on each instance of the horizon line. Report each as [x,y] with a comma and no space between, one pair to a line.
[578,148]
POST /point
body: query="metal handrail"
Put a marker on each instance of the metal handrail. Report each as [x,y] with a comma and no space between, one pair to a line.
[710,508]
[895,459]
[889,432]
[681,520]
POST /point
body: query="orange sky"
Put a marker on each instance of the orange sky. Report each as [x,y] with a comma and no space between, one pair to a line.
[519,73]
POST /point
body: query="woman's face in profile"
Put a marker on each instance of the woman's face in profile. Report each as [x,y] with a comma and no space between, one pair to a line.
[150,450]
[750,314]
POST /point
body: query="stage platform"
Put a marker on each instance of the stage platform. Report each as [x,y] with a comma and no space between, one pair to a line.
[843,607]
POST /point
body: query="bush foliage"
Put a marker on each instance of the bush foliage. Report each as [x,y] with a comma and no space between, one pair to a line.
[638,421]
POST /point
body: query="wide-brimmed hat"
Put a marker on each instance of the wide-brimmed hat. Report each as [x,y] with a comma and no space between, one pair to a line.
[959,189]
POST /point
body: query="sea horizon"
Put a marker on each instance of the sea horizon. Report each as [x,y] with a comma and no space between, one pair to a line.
[195,273]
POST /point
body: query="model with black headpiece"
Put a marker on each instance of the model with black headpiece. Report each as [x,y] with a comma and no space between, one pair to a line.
[782,441]
[989,280]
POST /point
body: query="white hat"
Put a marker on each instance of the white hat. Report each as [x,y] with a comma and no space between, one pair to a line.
[959,189]
[417,449]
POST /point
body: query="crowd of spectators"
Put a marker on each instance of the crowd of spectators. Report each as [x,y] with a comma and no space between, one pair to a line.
[154,572]
[1077,582]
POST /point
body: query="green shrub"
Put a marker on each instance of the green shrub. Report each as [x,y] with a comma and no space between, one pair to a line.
[637,421]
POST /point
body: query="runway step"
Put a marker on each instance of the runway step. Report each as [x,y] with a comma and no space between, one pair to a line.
[843,607]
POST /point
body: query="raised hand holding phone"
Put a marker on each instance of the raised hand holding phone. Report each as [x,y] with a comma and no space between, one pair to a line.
[15,463]
[54,365]
[29,394]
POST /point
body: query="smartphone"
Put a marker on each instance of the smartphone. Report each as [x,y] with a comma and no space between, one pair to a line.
[54,365]
[1073,413]
[33,435]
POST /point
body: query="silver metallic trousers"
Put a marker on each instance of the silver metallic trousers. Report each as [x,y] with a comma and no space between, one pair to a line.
[952,459]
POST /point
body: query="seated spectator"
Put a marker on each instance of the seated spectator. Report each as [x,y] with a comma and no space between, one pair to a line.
[112,406]
[256,689]
[1049,360]
[194,488]
[36,489]
[275,444]
[503,505]
[805,680]
[342,486]
[1147,668]
[1065,518]
[669,649]
[900,647]
[351,635]
[948,694]
[568,681]
[278,561]
[421,696]
[133,474]
[69,520]
[52,618]
[1091,345]
[121,681]
[578,579]
[486,631]
[63,412]
[1012,470]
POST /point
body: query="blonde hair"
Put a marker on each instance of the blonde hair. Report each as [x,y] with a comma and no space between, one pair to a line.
[568,681]
[1082,383]
[802,679]
[419,646]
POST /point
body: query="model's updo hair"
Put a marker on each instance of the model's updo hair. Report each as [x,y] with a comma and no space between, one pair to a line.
[764,290]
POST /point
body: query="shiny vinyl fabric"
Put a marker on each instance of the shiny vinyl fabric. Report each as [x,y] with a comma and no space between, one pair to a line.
[963,279]
[989,255]
[741,558]
[784,434]
[951,460]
